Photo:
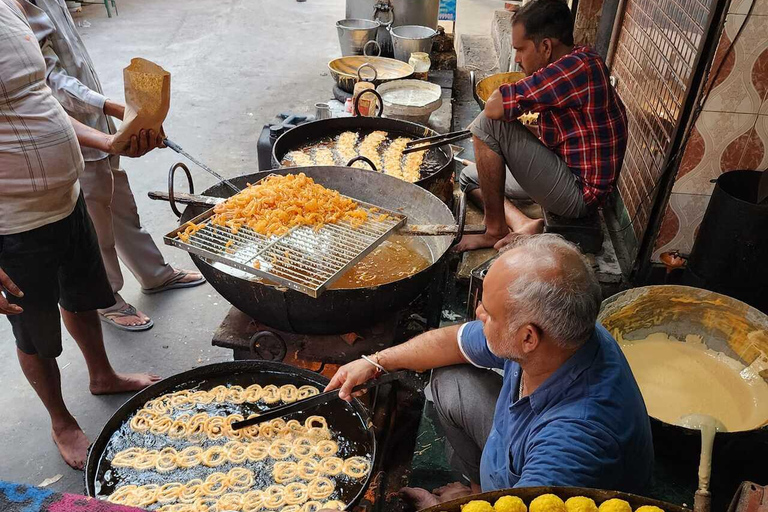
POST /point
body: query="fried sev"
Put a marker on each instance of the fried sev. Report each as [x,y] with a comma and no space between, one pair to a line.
[279,203]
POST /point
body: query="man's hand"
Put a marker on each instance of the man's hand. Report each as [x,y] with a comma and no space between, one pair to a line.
[494,107]
[114,109]
[8,286]
[351,375]
[146,141]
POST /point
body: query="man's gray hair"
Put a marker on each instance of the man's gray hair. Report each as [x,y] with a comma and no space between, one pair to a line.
[565,306]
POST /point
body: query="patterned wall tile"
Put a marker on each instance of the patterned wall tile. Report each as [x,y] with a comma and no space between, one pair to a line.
[741,83]
[688,209]
[761,130]
[742,7]
[727,138]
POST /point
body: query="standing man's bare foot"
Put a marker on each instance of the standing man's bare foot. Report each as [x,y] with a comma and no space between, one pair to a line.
[473,242]
[72,444]
[122,383]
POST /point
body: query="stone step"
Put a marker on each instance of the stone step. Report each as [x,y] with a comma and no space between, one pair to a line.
[477,52]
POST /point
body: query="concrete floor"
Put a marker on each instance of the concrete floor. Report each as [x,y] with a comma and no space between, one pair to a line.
[234,65]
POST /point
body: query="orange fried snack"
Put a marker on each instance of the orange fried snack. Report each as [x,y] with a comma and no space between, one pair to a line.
[190,230]
[278,203]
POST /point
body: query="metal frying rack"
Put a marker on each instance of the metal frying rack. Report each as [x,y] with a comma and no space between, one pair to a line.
[303,259]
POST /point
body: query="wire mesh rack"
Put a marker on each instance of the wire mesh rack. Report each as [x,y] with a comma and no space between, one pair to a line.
[304,259]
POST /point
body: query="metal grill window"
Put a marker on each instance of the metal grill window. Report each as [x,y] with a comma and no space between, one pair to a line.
[656,52]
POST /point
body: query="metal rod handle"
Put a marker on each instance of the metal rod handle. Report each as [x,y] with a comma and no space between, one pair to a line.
[171,175]
[361,158]
[372,91]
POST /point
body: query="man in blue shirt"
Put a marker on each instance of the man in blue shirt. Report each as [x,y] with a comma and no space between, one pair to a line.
[567,410]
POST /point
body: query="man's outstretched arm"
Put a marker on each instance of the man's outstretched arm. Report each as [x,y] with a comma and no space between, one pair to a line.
[433,349]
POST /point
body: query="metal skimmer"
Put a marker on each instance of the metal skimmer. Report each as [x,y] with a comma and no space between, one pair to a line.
[304,259]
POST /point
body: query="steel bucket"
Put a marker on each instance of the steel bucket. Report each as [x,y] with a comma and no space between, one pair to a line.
[408,39]
[354,34]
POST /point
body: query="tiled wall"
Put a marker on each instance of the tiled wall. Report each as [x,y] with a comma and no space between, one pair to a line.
[732,131]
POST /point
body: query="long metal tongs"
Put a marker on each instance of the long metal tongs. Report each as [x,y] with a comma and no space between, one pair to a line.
[314,401]
[169,143]
[436,141]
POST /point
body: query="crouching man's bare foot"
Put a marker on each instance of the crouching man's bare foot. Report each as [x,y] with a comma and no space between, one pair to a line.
[72,444]
[473,242]
[122,383]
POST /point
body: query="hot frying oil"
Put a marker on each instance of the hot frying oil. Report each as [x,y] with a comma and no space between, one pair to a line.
[396,258]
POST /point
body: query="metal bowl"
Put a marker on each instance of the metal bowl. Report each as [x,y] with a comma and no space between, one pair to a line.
[344,70]
[483,89]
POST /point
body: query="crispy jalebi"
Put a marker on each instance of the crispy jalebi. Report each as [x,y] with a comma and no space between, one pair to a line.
[284,471]
[330,466]
[311,506]
[334,505]
[278,203]
[320,488]
[296,493]
[356,467]
[326,448]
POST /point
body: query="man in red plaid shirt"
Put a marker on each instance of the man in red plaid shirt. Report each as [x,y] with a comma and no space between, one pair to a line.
[582,125]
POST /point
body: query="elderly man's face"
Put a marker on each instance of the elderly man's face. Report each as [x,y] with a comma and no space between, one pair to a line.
[494,311]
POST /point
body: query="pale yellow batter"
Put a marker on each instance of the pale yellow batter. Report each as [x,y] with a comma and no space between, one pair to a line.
[682,378]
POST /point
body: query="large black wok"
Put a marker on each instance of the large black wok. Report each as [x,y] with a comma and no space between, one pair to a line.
[350,420]
[336,311]
[439,181]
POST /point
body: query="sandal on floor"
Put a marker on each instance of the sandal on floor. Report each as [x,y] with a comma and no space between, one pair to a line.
[128,310]
[174,283]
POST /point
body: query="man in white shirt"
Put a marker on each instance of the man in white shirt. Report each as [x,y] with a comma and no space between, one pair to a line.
[111,205]
[49,251]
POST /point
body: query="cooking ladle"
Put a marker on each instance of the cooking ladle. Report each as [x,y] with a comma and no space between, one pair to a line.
[708,426]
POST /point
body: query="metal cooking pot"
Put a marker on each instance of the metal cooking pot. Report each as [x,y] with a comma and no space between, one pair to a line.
[350,419]
[394,13]
[440,182]
[338,311]
[346,71]
[483,89]
[408,39]
[726,325]
[354,34]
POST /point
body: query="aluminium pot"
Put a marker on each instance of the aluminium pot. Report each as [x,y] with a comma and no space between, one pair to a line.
[336,311]
[726,325]
[438,182]
[394,13]
[354,34]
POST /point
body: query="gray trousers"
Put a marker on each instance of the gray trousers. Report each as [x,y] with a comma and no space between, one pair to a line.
[465,400]
[113,210]
[533,171]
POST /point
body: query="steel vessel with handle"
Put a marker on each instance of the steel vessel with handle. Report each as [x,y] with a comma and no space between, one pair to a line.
[338,311]
[439,181]
[351,420]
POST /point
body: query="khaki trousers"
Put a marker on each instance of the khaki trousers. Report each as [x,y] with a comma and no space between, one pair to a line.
[113,210]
